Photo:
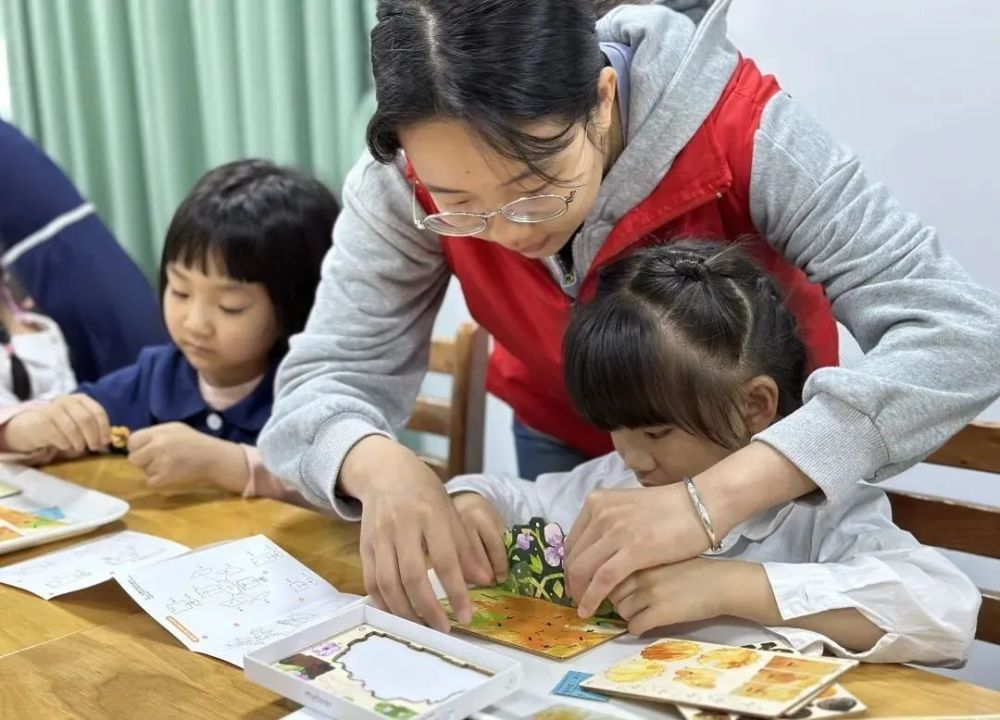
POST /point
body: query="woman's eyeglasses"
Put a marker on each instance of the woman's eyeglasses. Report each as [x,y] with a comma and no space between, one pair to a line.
[527,210]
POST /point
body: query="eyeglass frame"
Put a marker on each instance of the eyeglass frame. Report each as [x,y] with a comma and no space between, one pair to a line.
[485,217]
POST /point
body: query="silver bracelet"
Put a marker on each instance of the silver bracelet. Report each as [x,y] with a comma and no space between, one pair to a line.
[706,520]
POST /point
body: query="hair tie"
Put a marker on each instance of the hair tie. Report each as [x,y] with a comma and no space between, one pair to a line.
[691,268]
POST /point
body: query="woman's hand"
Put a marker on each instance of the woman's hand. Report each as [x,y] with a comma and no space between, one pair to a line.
[405,514]
[484,524]
[688,591]
[620,532]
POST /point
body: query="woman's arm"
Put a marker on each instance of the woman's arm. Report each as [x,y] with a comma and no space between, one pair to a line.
[930,334]
[356,369]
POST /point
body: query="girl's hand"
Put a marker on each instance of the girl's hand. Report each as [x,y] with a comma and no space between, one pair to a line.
[175,455]
[688,591]
[406,513]
[620,532]
[71,424]
[484,525]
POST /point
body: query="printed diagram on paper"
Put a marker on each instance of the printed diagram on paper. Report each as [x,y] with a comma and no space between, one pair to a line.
[228,599]
[88,563]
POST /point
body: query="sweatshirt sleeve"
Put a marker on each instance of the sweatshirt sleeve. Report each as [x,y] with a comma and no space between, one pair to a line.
[930,334]
[926,606]
[356,369]
[556,497]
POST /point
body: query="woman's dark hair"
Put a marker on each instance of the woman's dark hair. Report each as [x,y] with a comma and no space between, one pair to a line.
[492,64]
[261,223]
[673,333]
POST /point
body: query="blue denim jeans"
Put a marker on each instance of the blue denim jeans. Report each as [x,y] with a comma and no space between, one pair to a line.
[538,453]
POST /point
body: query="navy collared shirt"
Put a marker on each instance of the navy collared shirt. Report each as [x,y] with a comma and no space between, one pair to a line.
[162,387]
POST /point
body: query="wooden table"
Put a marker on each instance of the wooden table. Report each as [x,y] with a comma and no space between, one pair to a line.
[95,654]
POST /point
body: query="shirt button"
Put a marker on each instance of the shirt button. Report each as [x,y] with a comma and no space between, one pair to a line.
[214,422]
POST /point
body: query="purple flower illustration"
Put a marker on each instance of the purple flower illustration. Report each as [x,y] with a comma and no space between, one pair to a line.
[555,550]
[524,540]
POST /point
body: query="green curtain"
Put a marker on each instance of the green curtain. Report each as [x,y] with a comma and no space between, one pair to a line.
[137,98]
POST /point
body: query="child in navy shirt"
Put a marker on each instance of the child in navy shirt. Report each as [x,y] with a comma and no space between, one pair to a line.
[239,271]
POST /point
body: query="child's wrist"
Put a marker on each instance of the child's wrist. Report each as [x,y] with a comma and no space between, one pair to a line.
[229,467]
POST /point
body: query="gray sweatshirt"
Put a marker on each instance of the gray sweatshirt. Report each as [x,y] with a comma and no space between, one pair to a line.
[930,335]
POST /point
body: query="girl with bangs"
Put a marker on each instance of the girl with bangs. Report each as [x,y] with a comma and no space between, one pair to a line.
[684,355]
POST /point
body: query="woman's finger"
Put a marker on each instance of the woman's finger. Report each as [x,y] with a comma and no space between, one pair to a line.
[413,574]
[580,570]
[442,546]
[607,577]
[368,572]
[388,581]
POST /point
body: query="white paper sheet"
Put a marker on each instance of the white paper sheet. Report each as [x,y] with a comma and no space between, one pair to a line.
[88,563]
[229,599]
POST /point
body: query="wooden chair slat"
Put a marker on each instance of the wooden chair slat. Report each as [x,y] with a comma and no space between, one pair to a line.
[975,447]
[461,418]
[431,415]
[988,629]
[951,524]
[442,356]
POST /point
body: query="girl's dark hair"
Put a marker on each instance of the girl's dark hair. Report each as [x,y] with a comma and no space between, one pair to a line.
[493,64]
[261,223]
[672,334]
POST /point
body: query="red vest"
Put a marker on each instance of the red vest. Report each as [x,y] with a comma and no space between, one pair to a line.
[705,194]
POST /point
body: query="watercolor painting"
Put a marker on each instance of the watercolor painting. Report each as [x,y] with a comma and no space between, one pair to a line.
[7,534]
[21,520]
[833,702]
[383,673]
[534,625]
[720,678]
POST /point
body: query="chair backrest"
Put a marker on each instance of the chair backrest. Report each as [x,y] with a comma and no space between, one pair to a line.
[955,525]
[461,418]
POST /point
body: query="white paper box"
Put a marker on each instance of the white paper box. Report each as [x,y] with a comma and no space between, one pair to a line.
[506,678]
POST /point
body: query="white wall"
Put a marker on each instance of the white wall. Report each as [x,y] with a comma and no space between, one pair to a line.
[911,85]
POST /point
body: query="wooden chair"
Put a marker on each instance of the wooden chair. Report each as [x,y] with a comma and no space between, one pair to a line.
[955,525]
[461,418]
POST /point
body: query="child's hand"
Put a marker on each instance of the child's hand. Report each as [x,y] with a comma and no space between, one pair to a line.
[175,455]
[70,424]
[484,525]
[696,589]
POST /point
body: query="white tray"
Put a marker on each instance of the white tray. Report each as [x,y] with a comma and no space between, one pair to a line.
[82,509]
[504,678]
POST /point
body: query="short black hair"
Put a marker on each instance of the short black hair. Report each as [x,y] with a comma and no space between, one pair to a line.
[261,223]
[493,64]
[671,335]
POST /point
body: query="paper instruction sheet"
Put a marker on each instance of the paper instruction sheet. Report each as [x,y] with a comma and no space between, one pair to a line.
[88,563]
[229,599]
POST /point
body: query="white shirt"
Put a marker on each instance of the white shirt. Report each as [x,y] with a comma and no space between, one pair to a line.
[45,357]
[845,553]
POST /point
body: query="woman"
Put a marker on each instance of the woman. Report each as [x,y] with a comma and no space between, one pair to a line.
[531,156]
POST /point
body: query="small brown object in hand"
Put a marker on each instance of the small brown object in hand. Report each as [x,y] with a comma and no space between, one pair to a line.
[119,440]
